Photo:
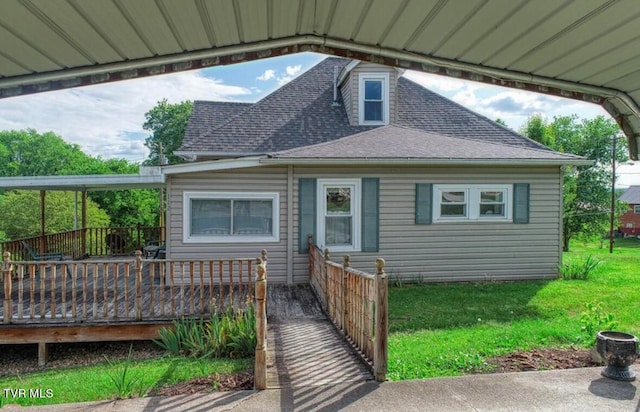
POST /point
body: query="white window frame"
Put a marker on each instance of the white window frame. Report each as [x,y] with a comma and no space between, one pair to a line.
[636,209]
[473,202]
[187,237]
[356,185]
[384,78]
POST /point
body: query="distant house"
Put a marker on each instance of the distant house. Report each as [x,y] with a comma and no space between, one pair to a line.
[371,164]
[630,220]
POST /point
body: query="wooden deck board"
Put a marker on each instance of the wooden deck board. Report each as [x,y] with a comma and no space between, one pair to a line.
[303,347]
[100,304]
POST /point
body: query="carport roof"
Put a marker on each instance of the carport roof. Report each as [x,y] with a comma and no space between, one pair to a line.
[581,49]
[148,178]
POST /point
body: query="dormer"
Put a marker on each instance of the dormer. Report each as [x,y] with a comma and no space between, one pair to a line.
[369,93]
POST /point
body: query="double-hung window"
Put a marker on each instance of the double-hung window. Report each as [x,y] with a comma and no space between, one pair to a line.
[339,214]
[374,98]
[220,217]
[636,209]
[472,202]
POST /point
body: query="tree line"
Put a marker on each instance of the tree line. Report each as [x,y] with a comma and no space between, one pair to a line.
[586,189]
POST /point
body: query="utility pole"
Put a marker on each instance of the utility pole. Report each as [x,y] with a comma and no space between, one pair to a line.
[613,192]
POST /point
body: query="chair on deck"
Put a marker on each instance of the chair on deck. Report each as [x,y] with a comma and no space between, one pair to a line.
[39,257]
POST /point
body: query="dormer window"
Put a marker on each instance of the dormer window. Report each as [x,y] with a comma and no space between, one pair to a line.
[373,95]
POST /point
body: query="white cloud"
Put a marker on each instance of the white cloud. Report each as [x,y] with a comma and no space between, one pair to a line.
[267,75]
[512,106]
[103,118]
[291,73]
[293,70]
[433,81]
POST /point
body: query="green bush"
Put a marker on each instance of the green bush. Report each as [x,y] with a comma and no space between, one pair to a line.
[594,319]
[231,334]
[579,269]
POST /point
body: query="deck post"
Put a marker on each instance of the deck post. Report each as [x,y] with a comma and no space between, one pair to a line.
[261,326]
[6,270]
[346,263]
[382,321]
[138,302]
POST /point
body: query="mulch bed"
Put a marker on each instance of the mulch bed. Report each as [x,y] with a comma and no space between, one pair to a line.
[543,359]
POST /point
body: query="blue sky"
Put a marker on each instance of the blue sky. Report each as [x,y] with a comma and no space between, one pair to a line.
[107,119]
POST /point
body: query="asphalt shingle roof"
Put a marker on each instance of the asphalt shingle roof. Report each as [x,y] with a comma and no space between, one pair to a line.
[206,114]
[400,142]
[301,113]
[631,195]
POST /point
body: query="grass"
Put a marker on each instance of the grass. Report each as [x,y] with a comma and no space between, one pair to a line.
[96,382]
[451,329]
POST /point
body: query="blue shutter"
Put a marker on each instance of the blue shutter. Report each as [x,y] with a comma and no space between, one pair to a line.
[424,203]
[521,203]
[306,213]
[370,214]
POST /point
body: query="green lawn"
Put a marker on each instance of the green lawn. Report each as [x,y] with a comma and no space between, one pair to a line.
[92,383]
[448,330]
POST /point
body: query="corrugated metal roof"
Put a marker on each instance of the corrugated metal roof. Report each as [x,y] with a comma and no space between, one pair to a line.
[582,49]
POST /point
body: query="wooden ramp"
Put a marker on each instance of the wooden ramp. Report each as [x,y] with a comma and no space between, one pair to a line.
[303,346]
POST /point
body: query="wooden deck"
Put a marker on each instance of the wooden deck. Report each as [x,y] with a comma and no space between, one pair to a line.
[303,346]
[87,292]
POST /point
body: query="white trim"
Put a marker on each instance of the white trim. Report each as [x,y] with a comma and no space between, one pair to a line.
[187,237]
[384,78]
[472,201]
[356,194]
[212,165]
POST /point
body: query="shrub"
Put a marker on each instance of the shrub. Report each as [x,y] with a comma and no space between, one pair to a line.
[594,319]
[230,334]
[579,270]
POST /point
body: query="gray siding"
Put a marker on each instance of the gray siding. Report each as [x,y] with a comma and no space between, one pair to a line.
[437,252]
[264,179]
[462,250]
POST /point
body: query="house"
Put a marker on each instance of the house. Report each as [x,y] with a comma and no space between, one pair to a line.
[371,164]
[630,220]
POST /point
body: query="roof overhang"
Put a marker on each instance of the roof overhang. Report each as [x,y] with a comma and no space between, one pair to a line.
[425,162]
[585,50]
[84,183]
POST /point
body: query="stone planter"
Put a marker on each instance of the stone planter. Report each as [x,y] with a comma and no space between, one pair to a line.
[619,350]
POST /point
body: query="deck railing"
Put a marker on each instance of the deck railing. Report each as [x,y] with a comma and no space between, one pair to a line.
[132,289]
[356,303]
[92,241]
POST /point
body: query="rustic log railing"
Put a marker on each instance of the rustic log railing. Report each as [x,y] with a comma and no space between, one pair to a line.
[93,241]
[260,369]
[137,289]
[356,303]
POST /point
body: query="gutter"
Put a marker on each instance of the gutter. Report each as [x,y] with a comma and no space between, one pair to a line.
[426,162]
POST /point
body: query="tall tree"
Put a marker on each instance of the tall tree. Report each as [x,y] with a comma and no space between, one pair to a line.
[29,153]
[21,213]
[167,123]
[587,189]
[536,128]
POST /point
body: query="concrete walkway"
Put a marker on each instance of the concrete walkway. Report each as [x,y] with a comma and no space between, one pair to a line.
[567,390]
